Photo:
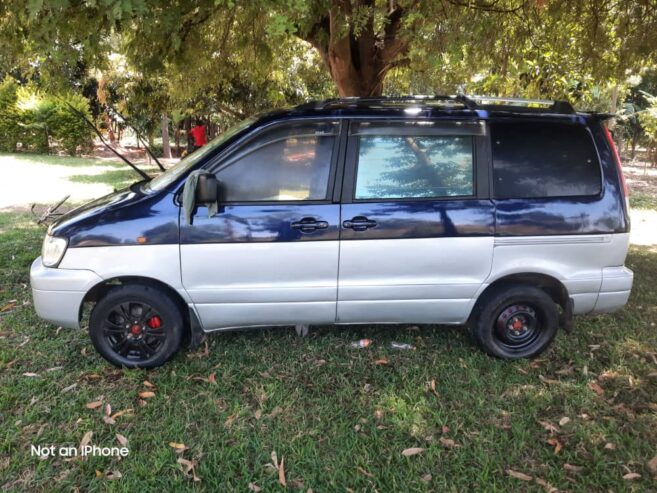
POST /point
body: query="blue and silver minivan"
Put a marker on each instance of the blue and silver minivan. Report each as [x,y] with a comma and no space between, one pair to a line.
[509,216]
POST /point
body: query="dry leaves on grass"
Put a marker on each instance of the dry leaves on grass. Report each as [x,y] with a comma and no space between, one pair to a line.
[448,443]
[409,452]
[279,467]
[631,476]
[146,394]
[652,465]
[381,362]
[364,472]
[519,475]
[148,384]
[572,468]
[564,421]
[189,468]
[123,441]
[94,404]
[254,487]
[595,387]
[179,448]
[556,444]
[8,306]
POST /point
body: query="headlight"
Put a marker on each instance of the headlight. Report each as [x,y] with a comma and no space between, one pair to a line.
[53,250]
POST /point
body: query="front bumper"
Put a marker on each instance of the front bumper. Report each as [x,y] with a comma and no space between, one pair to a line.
[58,293]
[614,290]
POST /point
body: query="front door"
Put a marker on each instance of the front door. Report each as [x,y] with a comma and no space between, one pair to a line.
[270,255]
[417,224]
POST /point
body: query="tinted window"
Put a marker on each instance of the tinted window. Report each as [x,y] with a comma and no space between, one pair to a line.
[543,160]
[290,162]
[414,166]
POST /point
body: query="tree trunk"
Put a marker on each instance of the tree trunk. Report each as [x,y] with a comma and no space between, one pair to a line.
[358,61]
[166,146]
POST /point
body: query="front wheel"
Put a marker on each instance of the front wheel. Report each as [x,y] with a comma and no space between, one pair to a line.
[515,322]
[136,326]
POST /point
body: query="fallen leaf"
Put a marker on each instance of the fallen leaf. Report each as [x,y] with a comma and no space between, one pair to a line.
[177,446]
[546,486]
[188,467]
[381,361]
[652,465]
[378,415]
[94,405]
[258,414]
[275,412]
[113,475]
[281,472]
[571,468]
[409,452]
[555,443]
[426,478]
[121,413]
[595,387]
[447,442]
[123,441]
[254,487]
[86,439]
[363,471]
[631,475]
[108,410]
[213,378]
[547,426]
[109,420]
[30,374]
[148,384]
[8,306]
[146,394]
[564,421]
[549,381]
[611,446]
[519,475]
[69,388]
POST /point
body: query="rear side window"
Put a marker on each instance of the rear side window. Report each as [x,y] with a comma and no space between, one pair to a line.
[545,159]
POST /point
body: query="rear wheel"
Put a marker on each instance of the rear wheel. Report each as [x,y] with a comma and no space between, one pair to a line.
[515,322]
[136,326]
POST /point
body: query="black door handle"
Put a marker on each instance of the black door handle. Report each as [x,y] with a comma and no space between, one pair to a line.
[309,224]
[359,223]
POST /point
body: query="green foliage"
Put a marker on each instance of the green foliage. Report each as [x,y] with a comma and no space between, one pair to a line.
[35,112]
[8,115]
[67,128]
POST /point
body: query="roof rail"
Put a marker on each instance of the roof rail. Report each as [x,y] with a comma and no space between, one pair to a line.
[494,102]
[463,101]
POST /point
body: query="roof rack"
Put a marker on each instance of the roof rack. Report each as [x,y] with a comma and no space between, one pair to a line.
[493,102]
[451,102]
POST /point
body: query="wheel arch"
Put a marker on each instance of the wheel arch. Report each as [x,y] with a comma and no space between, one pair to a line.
[193,329]
[548,283]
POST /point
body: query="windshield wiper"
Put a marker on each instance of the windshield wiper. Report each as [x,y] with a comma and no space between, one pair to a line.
[102,139]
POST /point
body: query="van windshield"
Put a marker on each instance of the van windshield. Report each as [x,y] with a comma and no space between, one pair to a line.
[167,177]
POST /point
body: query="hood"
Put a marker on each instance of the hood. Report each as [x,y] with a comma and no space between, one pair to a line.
[90,210]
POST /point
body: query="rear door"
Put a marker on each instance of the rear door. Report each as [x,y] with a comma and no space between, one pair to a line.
[417,222]
[270,254]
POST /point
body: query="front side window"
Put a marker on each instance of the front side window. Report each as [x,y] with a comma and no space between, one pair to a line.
[414,166]
[544,159]
[286,163]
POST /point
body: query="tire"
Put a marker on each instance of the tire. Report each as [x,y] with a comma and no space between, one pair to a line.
[136,326]
[515,322]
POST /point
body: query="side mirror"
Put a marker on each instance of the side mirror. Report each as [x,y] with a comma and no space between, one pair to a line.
[207,189]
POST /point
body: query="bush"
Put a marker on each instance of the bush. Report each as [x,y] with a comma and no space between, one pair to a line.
[33,113]
[9,116]
[69,129]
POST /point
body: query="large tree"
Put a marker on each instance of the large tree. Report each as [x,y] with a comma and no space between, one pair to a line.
[522,46]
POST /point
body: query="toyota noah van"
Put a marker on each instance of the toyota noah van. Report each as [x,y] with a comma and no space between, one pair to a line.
[509,216]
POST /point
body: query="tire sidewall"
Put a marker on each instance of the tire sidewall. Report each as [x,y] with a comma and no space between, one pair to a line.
[160,301]
[540,301]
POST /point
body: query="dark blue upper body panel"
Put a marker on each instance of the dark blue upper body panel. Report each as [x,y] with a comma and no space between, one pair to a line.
[132,217]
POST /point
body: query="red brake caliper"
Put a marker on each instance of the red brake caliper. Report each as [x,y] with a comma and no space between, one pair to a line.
[154,322]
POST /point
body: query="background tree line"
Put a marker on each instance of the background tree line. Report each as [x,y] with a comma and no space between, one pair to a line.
[159,63]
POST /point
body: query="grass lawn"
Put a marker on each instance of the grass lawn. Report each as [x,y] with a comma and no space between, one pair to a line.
[581,418]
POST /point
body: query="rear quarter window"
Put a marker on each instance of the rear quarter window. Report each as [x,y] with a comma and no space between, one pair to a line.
[543,159]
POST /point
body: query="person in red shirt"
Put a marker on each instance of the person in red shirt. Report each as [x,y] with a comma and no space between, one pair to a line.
[198,135]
